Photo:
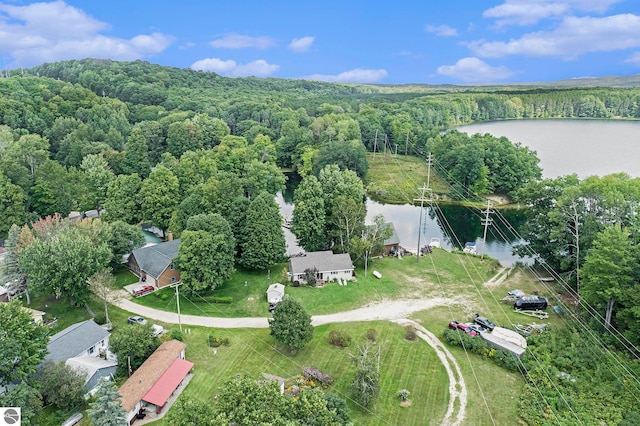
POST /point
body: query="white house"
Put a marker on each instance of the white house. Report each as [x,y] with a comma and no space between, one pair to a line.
[84,346]
[275,293]
[329,266]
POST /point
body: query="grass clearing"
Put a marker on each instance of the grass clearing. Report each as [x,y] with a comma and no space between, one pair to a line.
[392,178]
[436,275]
[404,364]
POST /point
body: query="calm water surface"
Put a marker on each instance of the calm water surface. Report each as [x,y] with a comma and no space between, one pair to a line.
[584,147]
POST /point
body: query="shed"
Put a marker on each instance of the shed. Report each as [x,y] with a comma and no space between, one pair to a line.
[275,293]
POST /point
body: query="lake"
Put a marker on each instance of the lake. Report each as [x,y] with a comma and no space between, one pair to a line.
[583,147]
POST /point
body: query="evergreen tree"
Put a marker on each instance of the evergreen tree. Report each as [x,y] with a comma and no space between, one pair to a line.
[263,243]
[107,409]
[291,325]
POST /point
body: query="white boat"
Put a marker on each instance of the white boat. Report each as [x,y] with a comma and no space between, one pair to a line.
[435,242]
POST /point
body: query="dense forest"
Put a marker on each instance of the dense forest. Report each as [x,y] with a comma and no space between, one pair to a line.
[198,155]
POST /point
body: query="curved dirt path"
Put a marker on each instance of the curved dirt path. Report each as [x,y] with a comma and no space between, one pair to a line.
[385,310]
[392,310]
[457,386]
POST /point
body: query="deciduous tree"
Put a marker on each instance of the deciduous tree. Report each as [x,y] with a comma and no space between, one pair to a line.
[159,196]
[132,345]
[123,201]
[263,243]
[206,255]
[308,222]
[61,385]
[291,325]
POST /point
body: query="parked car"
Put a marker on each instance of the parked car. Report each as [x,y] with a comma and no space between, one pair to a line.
[477,328]
[531,303]
[136,320]
[484,322]
[516,293]
[139,291]
[455,325]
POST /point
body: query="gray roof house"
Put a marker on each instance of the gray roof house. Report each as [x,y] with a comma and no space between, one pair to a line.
[330,266]
[154,264]
[80,346]
[83,338]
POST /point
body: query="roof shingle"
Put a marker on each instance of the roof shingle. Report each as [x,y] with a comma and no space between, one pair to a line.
[143,379]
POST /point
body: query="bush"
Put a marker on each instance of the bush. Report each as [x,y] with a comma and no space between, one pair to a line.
[410,333]
[225,341]
[176,334]
[100,318]
[403,394]
[312,374]
[339,339]
[214,342]
[372,334]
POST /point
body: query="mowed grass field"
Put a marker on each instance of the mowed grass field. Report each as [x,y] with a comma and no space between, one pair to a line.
[493,392]
[440,274]
[396,178]
[404,364]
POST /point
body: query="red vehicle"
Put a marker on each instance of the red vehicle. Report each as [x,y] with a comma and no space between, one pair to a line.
[143,290]
[455,325]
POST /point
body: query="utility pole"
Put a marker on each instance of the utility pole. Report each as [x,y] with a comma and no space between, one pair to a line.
[375,142]
[422,199]
[486,221]
[406,145]
[178,302]
[396,149]
[385,145]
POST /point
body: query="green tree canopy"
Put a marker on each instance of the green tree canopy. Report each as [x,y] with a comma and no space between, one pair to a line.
[106,408]
[291,325]
[206,255]
[262,241]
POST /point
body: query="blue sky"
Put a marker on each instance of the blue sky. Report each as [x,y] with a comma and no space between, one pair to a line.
[427,41]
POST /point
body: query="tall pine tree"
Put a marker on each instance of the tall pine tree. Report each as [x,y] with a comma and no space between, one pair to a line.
[107,409]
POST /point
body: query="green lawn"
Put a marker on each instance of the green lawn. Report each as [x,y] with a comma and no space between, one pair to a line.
[396,178]
[438,274]
[404,364]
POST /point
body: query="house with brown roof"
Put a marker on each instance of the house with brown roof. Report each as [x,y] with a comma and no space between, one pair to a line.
[157,379]
[155,265]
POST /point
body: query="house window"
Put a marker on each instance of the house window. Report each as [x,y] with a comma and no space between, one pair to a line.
[91,349]
[171,266]
[173,279]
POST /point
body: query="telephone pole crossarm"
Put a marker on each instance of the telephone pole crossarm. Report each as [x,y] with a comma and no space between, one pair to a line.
[486,221]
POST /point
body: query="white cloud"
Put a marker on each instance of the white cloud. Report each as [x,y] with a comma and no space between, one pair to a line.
[46,32]
[358,75]
[634,59]
[239,41]
[528,12]
[525,12]
[573,37]
[187,45]
[441,30]
[473,70]
[230,68]
[299,45]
